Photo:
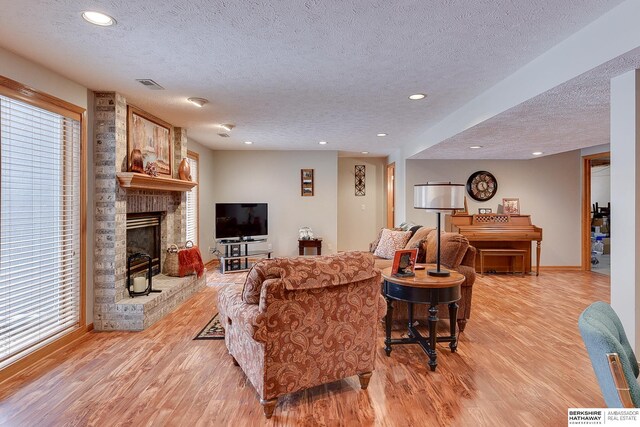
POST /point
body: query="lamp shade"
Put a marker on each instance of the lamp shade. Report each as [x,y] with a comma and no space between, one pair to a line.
[438,196]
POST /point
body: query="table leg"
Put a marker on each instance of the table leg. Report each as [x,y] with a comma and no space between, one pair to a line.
[453,317]
[538,258]
[481,263]
[433,321]
[387,325]
[410,316]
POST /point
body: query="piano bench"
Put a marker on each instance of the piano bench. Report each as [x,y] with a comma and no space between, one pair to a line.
[513,253]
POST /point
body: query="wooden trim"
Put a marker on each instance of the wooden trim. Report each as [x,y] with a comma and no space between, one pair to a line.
[619,380]
[560,268]
[51,103]
[84,170]
[145,182]
[391,194]
[195,156]
[585,222]
[41,353]
[39,99]
[586,208]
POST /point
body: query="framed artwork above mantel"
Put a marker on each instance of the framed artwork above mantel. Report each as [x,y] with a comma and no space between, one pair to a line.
[152,136]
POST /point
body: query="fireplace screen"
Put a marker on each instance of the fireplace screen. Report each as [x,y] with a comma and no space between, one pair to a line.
[143,236]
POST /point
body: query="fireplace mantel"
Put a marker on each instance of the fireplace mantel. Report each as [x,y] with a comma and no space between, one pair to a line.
[142,181]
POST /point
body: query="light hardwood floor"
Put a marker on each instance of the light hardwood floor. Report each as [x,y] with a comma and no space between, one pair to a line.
[520,361]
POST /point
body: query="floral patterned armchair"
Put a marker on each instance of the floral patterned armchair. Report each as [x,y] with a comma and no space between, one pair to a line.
[302,322]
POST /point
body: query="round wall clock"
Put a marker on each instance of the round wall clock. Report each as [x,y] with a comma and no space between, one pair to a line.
[482,186]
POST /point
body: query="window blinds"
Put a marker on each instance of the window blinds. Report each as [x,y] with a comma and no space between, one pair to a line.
[192,203]
[39,227]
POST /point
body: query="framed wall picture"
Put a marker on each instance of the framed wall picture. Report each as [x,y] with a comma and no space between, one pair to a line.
[511,206]
[306,182]
[152,137]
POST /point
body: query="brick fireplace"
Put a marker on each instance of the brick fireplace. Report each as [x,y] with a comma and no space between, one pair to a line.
[113,308]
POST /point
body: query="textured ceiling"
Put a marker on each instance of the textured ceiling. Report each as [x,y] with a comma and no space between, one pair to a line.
[570,116]
[291,73]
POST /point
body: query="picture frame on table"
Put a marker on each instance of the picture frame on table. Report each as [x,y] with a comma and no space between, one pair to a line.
[485,211]
[511,206]
[404,263]
[152,137]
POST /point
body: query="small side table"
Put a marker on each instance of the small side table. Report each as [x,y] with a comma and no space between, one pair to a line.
[423,289]
[309,243]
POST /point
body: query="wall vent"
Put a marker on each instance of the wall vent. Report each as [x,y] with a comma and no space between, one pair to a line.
[224,135]
[150,84]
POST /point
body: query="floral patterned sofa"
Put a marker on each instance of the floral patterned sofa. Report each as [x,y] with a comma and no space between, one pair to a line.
[302,322]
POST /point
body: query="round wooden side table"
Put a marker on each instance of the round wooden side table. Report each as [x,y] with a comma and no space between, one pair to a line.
[423,289]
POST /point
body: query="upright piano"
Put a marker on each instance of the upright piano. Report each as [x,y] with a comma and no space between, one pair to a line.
[498,231]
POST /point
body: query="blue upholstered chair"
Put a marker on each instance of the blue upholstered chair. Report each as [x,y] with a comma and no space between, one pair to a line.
[611,355]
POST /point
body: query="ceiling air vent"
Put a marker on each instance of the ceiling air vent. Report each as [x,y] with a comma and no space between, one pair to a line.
[224,135]
[150,84]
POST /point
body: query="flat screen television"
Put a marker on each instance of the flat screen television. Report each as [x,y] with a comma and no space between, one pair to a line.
[241,221]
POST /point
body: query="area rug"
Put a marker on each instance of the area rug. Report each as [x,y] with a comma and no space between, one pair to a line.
[213,330]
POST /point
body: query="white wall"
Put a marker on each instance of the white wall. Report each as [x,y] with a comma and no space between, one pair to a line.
[625,203]
[548,188]
[44,80]
[601,185]
[273,177]
[206,197]
[36,76]
[360,217]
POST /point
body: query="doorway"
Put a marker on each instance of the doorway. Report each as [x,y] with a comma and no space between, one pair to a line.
[596,210]
[391,195]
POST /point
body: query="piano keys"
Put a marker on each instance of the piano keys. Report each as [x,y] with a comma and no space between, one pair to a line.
[498,231]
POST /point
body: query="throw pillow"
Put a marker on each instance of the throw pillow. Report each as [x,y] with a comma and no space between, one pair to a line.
[420,234]
[453,246]
[373,245]
[390,242]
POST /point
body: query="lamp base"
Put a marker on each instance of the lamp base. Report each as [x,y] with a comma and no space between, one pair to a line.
[441,273]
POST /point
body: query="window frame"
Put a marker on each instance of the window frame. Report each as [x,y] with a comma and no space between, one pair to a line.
[13,89]
[192,155]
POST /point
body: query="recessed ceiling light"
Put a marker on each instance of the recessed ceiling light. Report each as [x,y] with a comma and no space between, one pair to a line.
[248,142]
[381,134]
[98,18]
[226,127]
[198,102]
[365,152]
[322,142]
[417,96]
[475,147]
[537,153]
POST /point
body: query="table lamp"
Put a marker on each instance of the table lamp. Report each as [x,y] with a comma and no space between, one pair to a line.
[440,197]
